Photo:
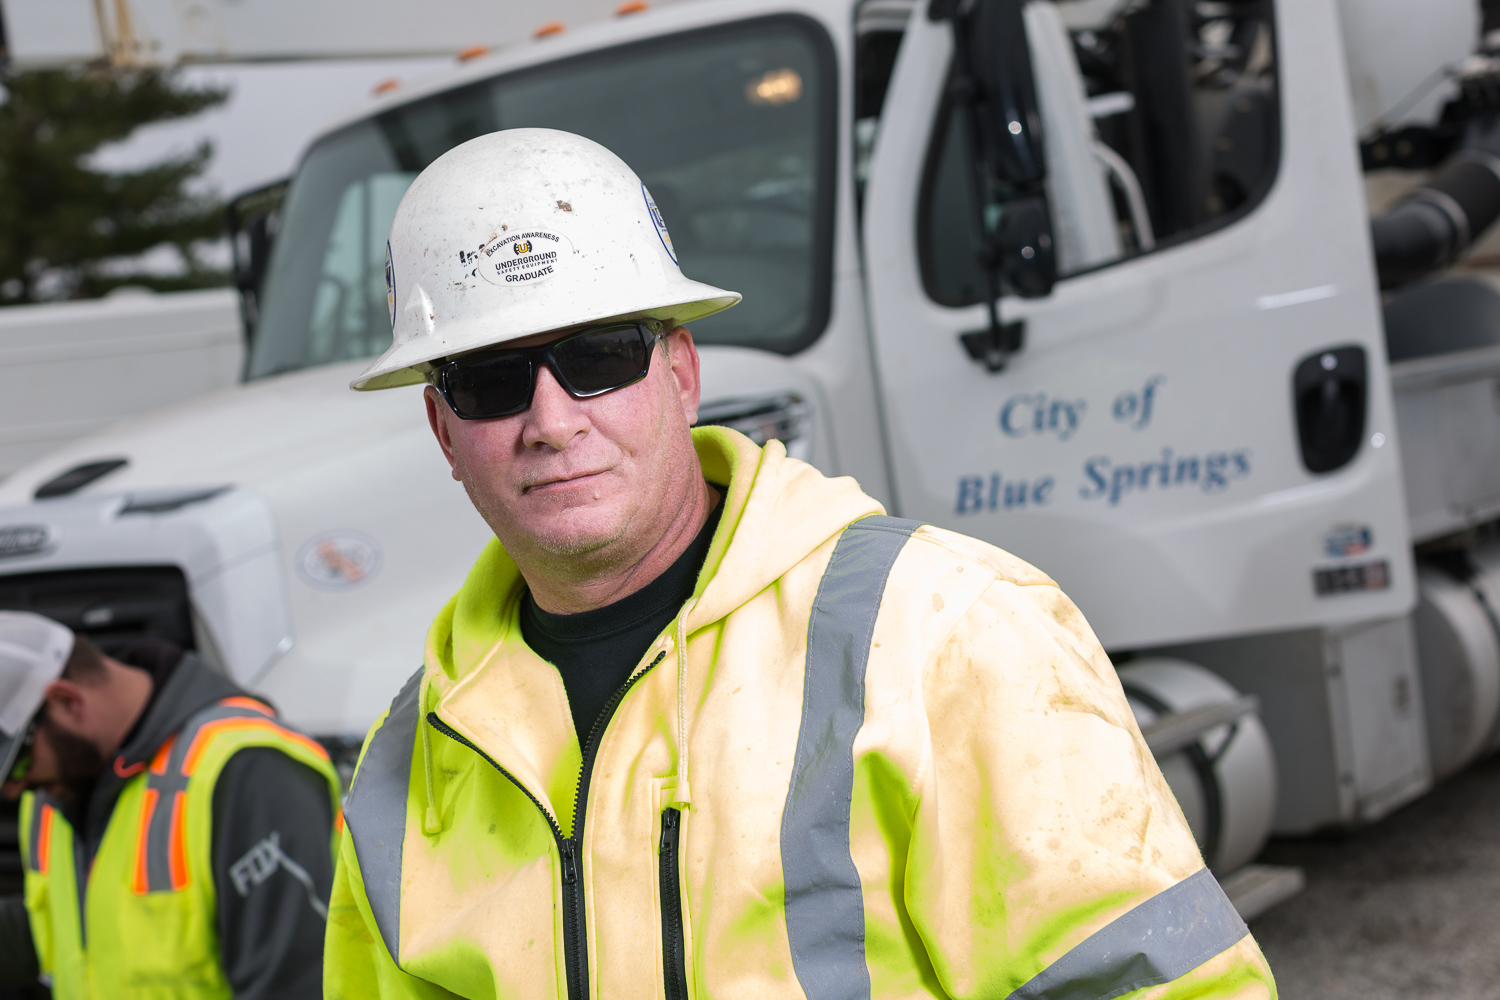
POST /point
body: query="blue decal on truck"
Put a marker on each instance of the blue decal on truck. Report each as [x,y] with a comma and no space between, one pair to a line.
[1134,408]
[1211,473]
[1346,540]
[976,493]
[1037,413]
[1104,478]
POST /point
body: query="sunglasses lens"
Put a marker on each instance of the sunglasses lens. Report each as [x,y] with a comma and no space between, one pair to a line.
[602,360]
[24,756]
[490,387]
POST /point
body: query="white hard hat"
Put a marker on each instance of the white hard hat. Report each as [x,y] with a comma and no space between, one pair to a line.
[522,232]
[33,652]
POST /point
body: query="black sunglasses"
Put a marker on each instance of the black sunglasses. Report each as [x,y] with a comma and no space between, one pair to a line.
[25,754]
[589,363]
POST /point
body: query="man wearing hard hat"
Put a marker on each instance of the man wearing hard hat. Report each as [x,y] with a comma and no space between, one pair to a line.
[702,721]
[175,836]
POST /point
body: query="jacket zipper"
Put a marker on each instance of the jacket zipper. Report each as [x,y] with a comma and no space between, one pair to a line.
[673,950]
[569,849]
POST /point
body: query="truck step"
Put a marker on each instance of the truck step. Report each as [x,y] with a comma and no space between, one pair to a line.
[1254,889]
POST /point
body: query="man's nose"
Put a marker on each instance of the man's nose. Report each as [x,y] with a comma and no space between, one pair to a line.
[555,418]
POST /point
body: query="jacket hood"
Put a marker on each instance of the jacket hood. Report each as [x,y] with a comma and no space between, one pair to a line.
[777,510]
[190,688]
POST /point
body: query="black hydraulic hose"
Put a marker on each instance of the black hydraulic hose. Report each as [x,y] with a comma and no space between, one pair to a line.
[1432,228]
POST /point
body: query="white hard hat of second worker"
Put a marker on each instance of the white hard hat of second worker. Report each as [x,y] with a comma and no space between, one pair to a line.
[523,232]
[33,652]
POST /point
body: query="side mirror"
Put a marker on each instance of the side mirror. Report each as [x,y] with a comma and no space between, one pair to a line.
[251,218]
[1028,265]
[993,84]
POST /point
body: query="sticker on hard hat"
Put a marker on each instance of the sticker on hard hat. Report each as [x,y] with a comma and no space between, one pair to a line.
[660,223]
[522,259]
[390,283]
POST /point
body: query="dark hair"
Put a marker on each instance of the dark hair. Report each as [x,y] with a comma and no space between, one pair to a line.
[86,663]
[155,656]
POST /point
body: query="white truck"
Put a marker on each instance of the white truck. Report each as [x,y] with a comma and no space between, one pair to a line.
[1181,404]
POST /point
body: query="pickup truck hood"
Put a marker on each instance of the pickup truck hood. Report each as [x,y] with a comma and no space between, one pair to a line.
[247,434]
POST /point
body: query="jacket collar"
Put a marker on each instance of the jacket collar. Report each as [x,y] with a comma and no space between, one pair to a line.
[192,687]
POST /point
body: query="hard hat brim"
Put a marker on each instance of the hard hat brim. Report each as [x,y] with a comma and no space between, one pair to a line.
[407,364]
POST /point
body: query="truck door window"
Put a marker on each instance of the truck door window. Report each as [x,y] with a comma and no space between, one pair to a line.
[731,128]
[1179,136]
[878,28]
[874,60]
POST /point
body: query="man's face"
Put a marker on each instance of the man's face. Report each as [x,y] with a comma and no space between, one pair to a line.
[61,760]
[593,480]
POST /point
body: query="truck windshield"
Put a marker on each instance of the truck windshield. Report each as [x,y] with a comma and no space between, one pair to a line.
[732,129]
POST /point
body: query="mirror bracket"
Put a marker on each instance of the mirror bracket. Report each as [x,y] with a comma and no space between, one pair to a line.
[994,345]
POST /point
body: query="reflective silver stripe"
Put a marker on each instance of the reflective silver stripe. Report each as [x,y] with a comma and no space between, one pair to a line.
[1167,936]
[376,811]
[34,834]
[158,844]
[825,912]
[40,800]
[172,783]
[33,861]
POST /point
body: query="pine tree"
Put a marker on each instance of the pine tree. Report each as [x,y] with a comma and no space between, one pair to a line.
[61,219]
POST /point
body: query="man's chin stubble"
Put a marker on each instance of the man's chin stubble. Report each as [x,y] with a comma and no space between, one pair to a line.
[564,545]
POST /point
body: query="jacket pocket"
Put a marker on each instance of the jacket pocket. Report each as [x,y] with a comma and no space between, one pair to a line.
[673,952]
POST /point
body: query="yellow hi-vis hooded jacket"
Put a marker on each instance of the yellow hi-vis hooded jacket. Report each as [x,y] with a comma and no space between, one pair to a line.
[871,759]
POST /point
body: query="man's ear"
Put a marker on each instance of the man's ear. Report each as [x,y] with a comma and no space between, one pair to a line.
[66,704]
[438,413]
[684,355]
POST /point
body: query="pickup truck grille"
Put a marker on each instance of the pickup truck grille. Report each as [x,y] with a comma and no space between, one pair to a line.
[10,851]
[110,605]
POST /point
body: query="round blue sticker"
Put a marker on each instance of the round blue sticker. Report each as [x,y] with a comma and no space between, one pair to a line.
[390,284]
[661,224]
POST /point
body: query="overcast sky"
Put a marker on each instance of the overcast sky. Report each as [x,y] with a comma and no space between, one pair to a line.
[274,110]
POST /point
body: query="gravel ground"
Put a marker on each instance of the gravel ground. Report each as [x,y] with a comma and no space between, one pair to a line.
[1404,910]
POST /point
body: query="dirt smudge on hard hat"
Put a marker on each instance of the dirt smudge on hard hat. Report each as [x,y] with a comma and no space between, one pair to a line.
[564,206]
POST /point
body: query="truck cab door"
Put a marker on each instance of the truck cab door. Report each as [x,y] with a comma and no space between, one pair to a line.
[1196,438]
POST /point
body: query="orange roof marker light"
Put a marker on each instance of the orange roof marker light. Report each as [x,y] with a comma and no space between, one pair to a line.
[775,88]
[631,7]
[472,52]
[385,86]
[550,28]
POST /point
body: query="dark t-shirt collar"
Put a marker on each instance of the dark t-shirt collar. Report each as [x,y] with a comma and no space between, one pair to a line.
[668,591]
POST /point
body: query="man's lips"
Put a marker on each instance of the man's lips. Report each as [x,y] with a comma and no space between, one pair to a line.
[561,481]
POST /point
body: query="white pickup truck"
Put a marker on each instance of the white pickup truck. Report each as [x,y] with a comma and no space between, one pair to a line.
[1184,411]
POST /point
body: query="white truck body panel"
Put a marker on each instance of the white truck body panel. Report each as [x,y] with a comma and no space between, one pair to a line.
[69,369]
[1397,61]
[45,33]
[1449,407]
